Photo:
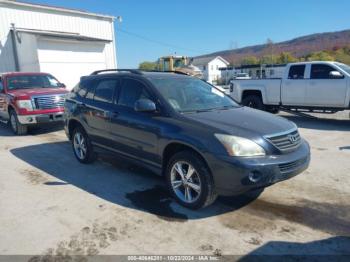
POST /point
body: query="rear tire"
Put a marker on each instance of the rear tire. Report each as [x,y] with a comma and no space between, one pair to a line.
[253,101]
[273,110]
[82,147]
[196,190]
[16,127]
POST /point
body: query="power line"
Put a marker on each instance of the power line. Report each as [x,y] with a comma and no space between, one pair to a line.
[159,42]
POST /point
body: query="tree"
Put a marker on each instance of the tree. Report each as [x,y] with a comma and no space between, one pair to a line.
[268,59]
[148,66]
[320,56]
[250,60]
[342,55]
[286,57]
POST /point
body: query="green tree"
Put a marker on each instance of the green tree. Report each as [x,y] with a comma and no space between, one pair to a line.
[320,56]
[342,55]
[268,59]
[250,60]
[148,66]
[286,57]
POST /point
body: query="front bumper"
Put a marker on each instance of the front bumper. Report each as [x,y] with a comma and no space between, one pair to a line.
[235,175]
[40,118]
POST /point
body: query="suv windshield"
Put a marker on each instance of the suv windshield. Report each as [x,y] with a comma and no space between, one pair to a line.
[32,81]
[187,94]
[345,67]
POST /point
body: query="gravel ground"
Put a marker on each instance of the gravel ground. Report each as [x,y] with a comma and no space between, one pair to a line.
[52,205]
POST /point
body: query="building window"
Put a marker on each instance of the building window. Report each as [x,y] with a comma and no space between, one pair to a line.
[272,72]
[217,67]
[204,67]
[212,67]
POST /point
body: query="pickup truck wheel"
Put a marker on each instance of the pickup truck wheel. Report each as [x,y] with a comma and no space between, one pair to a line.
[82,147]
[253,101]
[16,126]
[189,181]
[273,110]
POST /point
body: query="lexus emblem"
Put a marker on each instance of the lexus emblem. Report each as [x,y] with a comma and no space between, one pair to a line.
[292,138]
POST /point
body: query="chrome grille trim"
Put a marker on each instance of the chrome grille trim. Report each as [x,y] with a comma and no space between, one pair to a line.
[48,101]
[283,142]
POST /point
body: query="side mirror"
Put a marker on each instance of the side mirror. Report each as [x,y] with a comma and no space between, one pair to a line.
[61,85]
[145,105]
[335,75]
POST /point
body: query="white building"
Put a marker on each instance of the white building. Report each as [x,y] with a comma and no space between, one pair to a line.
[64,42]
[262,71]
[210,67]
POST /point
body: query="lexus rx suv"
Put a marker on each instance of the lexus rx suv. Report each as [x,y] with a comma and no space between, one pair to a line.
[184,129]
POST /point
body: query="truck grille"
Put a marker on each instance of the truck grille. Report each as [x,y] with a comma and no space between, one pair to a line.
[290,167]
[286,142]
[49,102]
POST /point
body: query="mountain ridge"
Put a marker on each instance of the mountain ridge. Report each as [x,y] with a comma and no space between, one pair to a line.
[299,46]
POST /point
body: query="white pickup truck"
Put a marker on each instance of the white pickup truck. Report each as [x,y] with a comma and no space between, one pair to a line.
[306,86]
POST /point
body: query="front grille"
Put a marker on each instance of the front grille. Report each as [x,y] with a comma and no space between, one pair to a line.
[49,102]
[286,142]
[291,166]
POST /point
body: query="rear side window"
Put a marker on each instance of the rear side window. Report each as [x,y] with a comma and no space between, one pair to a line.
[82,88]
[132,90]
[319,71]
[104,90]
[296,72]
[1,86]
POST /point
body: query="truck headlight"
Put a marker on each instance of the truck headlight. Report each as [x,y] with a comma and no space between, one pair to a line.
[239,146]
[25,104]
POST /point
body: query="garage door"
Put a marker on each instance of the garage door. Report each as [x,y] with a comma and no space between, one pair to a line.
[69,60]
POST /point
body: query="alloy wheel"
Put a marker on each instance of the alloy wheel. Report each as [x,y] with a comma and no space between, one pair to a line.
[80,146]
[185,182]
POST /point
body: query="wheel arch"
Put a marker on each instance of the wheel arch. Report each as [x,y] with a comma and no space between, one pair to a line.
[72,124]
[253,92]
[175,147]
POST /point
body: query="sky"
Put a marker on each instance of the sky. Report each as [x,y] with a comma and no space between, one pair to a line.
[154,28]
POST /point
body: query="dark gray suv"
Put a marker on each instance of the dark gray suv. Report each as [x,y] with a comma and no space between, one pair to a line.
[185,129]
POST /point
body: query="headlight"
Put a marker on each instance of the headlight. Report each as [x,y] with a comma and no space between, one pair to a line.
[239,146]
[25,104]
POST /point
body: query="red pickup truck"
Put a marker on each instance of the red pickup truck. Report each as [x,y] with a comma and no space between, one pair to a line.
[30,99]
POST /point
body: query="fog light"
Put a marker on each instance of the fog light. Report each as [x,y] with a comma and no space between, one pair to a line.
[255,176]
[30,119]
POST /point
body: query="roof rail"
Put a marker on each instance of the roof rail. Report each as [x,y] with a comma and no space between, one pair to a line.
[133,71]
[175,72]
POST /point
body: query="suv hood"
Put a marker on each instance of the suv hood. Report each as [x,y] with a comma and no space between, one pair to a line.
[37,92]
[243,121]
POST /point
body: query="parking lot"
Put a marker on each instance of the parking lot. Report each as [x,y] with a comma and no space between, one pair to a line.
[52,205]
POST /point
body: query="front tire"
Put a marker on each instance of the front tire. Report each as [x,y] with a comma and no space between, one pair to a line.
[82,146]
[253,101]
[190,181]
[16,127]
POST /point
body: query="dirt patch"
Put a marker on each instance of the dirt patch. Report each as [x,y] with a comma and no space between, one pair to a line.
[6,147]
[88,242]
[34,177]
[330,218]
[157,201]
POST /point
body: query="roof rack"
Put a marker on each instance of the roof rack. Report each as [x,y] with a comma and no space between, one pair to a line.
[133,71]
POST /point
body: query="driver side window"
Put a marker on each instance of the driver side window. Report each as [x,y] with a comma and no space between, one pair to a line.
[131,91]
[321,71]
